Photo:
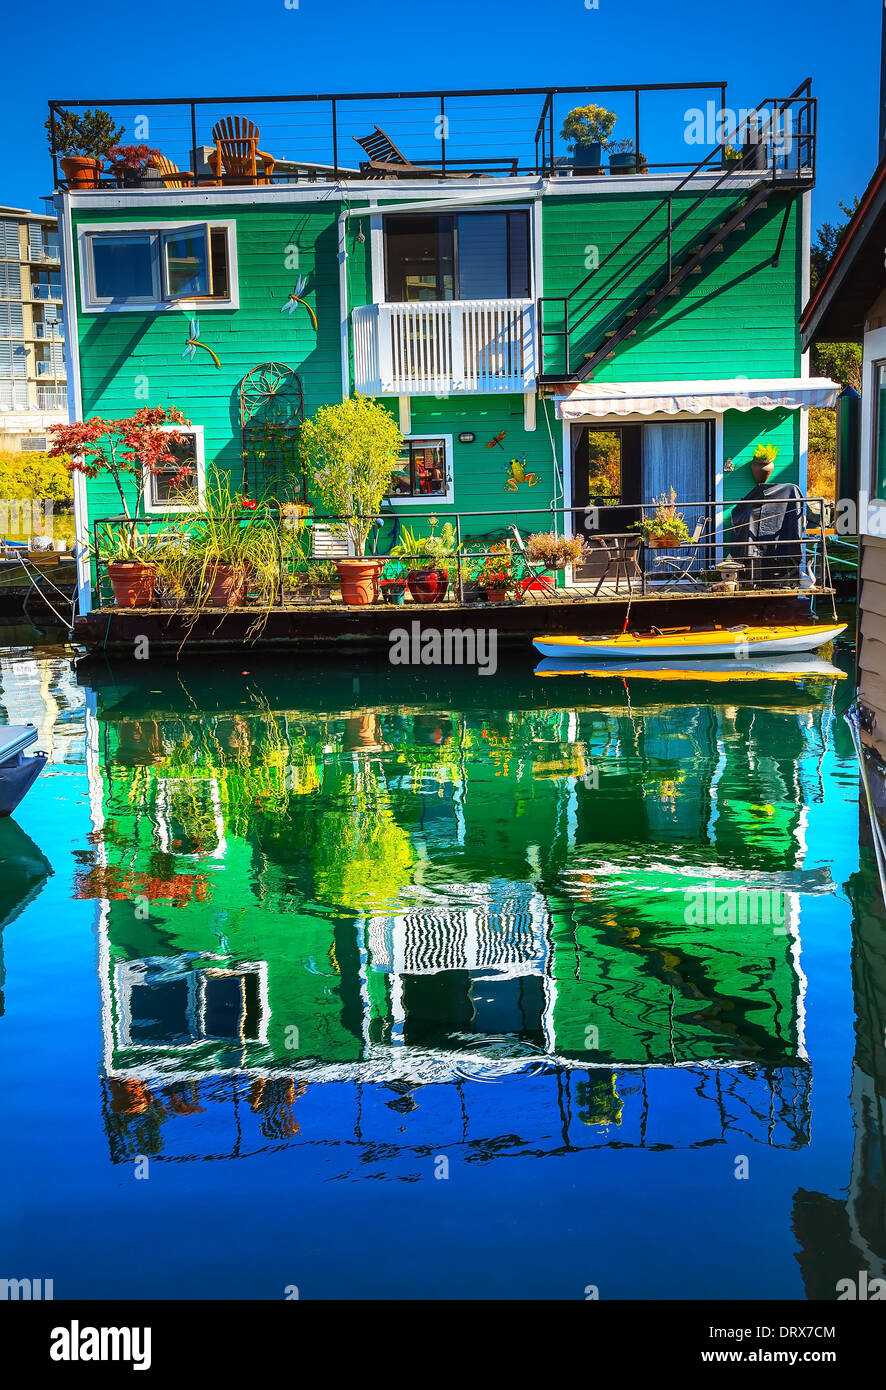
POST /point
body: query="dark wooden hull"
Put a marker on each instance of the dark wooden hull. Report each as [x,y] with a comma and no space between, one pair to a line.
[324,626]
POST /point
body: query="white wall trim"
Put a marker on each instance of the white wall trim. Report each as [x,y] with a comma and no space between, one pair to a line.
[868,505]
[75,401]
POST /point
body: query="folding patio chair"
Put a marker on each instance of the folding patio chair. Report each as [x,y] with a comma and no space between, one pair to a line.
[679,565]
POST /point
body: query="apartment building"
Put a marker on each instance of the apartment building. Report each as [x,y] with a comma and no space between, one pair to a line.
[33,385]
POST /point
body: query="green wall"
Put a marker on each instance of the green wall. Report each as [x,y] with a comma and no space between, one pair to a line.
[738,317]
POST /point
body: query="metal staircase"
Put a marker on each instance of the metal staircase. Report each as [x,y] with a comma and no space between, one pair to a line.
[651,264]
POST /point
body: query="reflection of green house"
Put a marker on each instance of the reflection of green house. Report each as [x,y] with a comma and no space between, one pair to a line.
[299,895]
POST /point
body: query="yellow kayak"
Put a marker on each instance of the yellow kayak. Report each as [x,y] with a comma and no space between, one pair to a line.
[741,642]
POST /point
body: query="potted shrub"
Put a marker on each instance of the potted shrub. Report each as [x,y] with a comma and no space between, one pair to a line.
[554,552]
[350,450]
[495,576]
[128,557]
[82,142]
[587,130]
[665,529]
[133,165]
[125,451]
[235,545]
[428,573]
[763,462]
[622,157]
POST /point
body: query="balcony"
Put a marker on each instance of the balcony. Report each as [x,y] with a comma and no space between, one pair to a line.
[50,291]
[441,348]
[52,397]
[49,332]
[55,370]
[44,255]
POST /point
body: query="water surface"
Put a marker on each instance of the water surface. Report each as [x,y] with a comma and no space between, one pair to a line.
[406,984]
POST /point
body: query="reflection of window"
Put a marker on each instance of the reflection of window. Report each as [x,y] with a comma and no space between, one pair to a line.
[145,266]
[423,470]
[472,255]
[164,1003]
[166,490]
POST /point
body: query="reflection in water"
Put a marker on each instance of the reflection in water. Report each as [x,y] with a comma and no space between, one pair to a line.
[408,895]
[375,920]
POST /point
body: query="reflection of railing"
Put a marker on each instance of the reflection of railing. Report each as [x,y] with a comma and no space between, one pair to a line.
[478,346]
[727,559]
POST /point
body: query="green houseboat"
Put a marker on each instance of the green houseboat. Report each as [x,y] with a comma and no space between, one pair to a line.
[561,342]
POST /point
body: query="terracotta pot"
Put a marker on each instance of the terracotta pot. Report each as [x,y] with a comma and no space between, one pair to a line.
[762,469]
[80,171]
[228,587]
[133,584]
[664,542]
[359,581]
[496,595]
[428,585]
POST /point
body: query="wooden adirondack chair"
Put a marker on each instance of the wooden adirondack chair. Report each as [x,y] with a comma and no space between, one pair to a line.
[171,174]
[236,155]
[387,162]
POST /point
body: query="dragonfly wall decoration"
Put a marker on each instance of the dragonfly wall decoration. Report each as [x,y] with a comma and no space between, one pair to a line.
[194,343]
[296,298]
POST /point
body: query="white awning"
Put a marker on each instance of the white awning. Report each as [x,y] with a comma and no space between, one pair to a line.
[595,398]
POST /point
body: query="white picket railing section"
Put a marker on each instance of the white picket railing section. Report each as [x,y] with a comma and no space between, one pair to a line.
[444,346]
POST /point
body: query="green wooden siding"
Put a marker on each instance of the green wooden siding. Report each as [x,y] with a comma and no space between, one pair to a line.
[737,318]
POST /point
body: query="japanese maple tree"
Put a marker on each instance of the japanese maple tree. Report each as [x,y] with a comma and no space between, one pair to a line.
[129,448]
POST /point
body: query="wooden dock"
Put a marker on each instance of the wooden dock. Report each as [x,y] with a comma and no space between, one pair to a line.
[334,626]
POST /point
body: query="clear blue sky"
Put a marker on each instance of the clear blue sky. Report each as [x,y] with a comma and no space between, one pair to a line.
[87,50]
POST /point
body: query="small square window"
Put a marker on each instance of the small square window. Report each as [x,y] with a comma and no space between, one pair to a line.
[172,490]
[422,470]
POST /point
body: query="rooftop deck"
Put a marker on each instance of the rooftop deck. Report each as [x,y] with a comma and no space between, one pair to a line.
[482,133]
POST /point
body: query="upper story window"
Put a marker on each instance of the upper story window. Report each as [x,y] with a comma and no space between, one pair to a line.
[469,255]
[131,268]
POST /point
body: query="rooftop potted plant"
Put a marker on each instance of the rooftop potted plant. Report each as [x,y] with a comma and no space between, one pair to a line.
[666,528]
[133,165]
[587,130]
[763,462]
[350,451]
[622,157]
[83,142]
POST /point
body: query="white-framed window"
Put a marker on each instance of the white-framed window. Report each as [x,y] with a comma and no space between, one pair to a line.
[163,491]
[173,1002]
[181,265]
[424,470]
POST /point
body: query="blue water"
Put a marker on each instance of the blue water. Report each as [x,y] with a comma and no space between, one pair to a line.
[442,886]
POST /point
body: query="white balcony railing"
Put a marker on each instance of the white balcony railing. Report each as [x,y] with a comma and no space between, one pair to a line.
[52,398]
[440,347]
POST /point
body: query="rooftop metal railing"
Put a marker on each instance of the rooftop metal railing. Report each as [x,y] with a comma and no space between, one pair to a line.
[500,131]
